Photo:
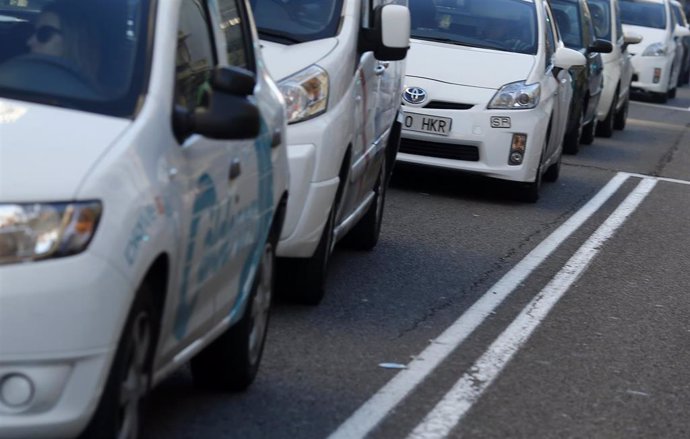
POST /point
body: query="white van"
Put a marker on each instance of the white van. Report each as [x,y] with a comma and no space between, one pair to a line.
[143,181]
[337,63]
[657,62]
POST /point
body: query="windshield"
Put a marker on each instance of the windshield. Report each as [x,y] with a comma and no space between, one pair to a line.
[297,21]
[643,13]
[84,54]
[506,25]
[567,15]
[678,13]
[601,18]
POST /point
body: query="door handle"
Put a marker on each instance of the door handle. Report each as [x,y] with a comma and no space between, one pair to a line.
[235,169]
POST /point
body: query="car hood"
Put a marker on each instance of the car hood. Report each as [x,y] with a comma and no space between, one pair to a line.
[285,60]
[467,66]
[649,36]
[46,152]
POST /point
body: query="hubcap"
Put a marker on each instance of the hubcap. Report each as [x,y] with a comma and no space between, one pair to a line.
[261,305]
[135,381]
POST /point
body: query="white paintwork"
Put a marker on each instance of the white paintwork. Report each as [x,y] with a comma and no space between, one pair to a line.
[669,63]
[448,413]
[617,67]
[465,75]
[363,102]
[61,319]
[384,401]
[395,22]
[565,58]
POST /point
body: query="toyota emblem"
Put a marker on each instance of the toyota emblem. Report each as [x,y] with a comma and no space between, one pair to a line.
[414,95]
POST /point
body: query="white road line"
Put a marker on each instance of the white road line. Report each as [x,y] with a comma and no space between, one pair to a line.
[373,411]
[667,180]
[459,400]
[664,107]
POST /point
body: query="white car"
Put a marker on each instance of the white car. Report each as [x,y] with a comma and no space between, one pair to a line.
[612,110]
[338,65]
[487,90]
[141,199]
[656,63]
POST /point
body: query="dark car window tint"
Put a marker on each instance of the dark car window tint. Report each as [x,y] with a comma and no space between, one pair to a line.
[643,13]
[195,60]
[236,38]
[567,16]
[600,10]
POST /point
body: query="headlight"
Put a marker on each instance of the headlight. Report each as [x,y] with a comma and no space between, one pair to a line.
[29,232]
[305,93]
[516,96]
[656,49]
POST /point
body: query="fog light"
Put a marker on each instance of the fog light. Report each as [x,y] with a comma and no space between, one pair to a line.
[16,390]
[657,75]
[517,149]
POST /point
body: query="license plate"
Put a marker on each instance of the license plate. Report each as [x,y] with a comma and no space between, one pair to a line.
[427,124]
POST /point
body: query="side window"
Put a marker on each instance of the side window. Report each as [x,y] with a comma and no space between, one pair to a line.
[195,55]
[550,37]
[237,34]
[619,23]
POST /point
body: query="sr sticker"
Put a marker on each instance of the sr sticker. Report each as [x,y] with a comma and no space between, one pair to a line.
[500,122]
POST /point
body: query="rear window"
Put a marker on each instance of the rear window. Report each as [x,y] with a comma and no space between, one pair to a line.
[643,13]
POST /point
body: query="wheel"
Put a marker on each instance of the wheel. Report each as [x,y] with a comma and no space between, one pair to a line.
[554,171]
[571,141]
[231,362]
[605,127]
[672,93]
[587,136]
[303,280]
[660,98]
[365,234]
[622,115]
[118,412]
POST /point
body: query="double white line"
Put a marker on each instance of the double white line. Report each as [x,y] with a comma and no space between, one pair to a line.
[455,404]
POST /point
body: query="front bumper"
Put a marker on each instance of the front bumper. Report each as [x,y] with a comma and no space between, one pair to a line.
[472,129]
[59,325]
[644,73]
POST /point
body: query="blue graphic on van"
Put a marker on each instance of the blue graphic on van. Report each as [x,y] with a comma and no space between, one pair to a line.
[139,233]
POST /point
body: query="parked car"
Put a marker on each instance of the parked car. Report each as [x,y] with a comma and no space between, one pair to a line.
[339,66]
[487,90]
[682,20]
[656,65]
[612,111]
[141,200]
[577,32]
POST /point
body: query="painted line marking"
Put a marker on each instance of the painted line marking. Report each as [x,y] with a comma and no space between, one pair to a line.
[665,107]
[664,179]
[459,400]
[659,125]
[374,410]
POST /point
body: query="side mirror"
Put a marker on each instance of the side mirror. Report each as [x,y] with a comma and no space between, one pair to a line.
[601,46]
[229,114]
[389,39]
[631,38]
[681,31]
[565,58]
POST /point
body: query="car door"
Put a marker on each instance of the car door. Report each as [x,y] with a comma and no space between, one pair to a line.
[624,59]
[595,63]
[556,85]
[207,177]
[252,166]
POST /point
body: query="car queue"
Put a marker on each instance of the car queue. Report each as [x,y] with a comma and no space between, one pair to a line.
[211,153]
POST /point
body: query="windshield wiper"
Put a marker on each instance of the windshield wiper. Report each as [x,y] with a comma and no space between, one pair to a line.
[278,36]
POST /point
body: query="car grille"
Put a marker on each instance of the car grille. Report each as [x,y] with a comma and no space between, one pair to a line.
[440,105]
[451,151]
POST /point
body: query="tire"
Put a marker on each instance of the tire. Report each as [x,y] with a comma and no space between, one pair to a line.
[554,171]
[605,127]
[660,98]
[303,280]
[672,93]
[587,136]
[118,412]
[571,141]
[622,116]
[365,235]
[232,361]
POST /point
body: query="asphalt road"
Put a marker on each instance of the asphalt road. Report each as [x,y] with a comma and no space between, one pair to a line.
[568,318]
